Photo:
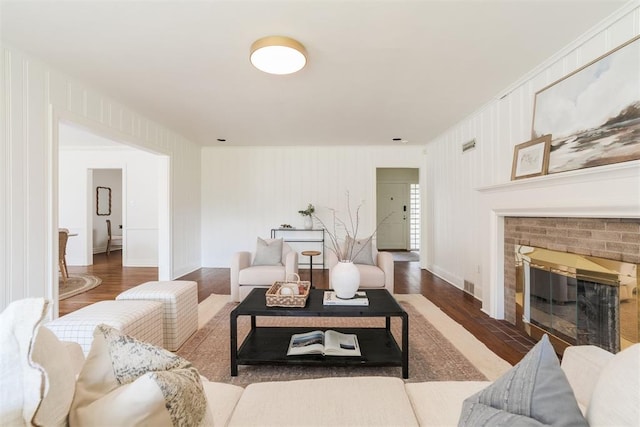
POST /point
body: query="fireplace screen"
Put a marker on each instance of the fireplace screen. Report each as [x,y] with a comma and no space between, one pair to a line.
[579,299]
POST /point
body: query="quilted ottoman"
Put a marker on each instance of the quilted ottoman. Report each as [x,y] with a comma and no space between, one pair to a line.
[139,319]
[180,299]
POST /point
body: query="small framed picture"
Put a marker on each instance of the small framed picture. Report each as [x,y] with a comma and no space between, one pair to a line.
[531,158]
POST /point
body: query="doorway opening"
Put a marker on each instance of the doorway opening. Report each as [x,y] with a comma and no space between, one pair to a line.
[100,178]
[398,212]
[107,237]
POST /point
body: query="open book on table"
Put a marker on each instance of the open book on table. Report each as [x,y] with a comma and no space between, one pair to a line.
[328,343]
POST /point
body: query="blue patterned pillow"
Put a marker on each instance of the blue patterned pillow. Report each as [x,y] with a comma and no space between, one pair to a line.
[534,392]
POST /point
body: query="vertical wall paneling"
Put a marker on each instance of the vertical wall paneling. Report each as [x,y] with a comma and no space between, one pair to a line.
[35,97]
[17,182]
[245,199]
[51,197]
[94,107]
[5,155]
[36,173]
[126,122]
[164,223]
[75,98]
[459,211]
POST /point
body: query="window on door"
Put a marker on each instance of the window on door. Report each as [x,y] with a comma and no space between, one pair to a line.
[414,217]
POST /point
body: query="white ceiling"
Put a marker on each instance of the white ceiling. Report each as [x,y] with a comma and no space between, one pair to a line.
[376,69]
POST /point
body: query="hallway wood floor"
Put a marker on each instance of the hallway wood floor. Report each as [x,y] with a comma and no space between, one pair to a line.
[501,337]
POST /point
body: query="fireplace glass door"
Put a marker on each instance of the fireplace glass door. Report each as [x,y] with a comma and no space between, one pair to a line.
[579,300]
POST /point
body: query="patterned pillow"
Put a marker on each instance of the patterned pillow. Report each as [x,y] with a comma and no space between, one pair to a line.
[268,252]
[534,392]
[128,382]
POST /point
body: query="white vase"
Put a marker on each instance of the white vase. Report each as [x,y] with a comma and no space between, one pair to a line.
[345,279]
[308,222]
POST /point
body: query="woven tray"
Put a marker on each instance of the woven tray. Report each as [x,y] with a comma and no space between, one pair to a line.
[274,299]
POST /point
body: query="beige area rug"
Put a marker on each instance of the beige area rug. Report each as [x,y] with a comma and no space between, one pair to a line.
[432,357]
[77,284]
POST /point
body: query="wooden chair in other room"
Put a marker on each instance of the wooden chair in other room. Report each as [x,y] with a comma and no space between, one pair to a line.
[112,239]
[63,236]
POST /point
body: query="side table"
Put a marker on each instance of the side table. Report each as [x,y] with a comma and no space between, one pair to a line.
[311,254]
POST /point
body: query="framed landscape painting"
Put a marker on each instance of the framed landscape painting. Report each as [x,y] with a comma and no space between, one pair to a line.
[593,114]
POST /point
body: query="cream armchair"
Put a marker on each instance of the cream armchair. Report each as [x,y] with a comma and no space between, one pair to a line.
[376,276]
[245,276]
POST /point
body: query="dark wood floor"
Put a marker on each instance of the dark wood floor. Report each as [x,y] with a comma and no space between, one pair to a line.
[500,336]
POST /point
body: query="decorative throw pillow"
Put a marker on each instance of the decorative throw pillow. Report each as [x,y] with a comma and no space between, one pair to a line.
[59,379]
[38,380]
[22,382]
[483,415]
[268,252]
[128,382]
[535,390]
[619,381]
[362,250]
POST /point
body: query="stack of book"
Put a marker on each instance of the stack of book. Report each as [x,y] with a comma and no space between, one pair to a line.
[360,298]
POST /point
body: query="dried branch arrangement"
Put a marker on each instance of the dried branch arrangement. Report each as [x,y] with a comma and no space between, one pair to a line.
[345,247]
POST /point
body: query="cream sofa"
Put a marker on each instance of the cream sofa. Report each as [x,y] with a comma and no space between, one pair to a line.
[606,387]
[38,384]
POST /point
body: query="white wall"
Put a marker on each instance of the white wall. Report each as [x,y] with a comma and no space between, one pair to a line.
[248,191]
[35,97]
[141,186]
[462,221]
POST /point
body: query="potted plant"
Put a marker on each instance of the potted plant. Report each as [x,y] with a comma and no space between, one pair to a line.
[308,218]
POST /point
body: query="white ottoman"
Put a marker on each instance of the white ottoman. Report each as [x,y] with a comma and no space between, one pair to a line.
[180,299]
[139,319]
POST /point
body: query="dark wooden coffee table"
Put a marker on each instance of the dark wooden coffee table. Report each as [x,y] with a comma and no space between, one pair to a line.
[268,345]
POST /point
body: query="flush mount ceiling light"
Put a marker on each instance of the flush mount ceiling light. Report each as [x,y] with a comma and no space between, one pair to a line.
[278,55]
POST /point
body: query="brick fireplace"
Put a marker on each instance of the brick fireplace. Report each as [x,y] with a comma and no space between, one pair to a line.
[616,239]
[574,199]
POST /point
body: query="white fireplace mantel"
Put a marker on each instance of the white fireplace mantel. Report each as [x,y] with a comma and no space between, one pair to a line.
[611,191]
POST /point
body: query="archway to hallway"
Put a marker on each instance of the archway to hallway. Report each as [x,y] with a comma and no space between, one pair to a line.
[143,203]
